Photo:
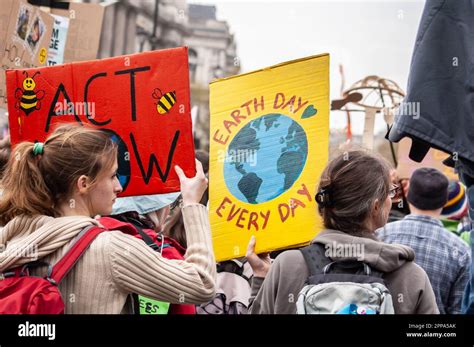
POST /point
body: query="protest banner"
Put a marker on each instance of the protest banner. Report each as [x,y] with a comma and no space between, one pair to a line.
[58,41]
[141,99]
[269,144]
[31,37]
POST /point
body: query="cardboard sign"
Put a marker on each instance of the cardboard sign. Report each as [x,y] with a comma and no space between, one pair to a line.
[83,33]
[27,39]
[58,41]
[141,99]
[5,15]
[69,32]
[269,144]
[434,159]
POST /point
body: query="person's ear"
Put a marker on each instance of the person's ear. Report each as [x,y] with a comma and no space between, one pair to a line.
[376,206]
[82,184]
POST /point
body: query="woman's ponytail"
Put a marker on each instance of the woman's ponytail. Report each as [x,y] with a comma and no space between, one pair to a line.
[23,185]
[40,177]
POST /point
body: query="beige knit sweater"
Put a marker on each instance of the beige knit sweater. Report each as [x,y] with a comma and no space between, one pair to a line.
[116,264]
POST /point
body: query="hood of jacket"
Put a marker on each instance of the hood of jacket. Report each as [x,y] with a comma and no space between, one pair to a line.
[382,256]
[28,238]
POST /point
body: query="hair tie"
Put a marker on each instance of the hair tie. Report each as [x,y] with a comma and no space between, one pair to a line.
[38,148]
[323,197]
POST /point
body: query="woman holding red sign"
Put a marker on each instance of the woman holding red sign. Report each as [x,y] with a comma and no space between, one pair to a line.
[52,191]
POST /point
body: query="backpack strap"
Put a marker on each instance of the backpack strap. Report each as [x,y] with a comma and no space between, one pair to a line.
[376,273]
[317,261]
[315,258]
[145,237]
[66,263]
[233,266]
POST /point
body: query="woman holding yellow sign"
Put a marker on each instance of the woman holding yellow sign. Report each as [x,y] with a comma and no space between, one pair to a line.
[345,270]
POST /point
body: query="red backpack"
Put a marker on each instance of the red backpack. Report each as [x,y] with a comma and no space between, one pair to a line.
[169,248]
[21,293]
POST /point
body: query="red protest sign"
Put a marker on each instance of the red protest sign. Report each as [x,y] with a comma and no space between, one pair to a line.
[142,100]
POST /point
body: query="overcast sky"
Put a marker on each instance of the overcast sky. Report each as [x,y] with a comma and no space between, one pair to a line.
[367,37]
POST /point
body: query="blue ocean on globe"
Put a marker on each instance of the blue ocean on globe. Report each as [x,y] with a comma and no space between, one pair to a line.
[265,158]
[123,171]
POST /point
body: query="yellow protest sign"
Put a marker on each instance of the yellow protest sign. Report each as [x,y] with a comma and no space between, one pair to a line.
[269,144]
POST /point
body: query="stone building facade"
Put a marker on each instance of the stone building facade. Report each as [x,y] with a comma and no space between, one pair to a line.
[129,26]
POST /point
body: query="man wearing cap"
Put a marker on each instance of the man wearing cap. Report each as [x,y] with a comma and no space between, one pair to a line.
[444,256]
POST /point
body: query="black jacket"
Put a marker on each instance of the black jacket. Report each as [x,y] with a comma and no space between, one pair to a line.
[441,80]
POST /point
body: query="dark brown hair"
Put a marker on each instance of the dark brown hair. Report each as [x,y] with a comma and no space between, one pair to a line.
[38,184]
[352,182]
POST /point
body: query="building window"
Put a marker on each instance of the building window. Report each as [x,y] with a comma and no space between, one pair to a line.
[193,59]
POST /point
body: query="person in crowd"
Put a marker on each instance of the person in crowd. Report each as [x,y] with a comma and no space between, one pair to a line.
[399,204]
[468,299]
[52,191]
[233,276]
[443,255]
[143,216]
[149,211]
[174,225]
[356,192]
[454,215]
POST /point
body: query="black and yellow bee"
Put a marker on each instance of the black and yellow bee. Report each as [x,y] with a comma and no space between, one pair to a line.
[165,101]
[28,98]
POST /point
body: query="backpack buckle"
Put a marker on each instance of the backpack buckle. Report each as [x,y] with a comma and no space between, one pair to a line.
[5,275]
[50,280]
[49,274]
[154,246]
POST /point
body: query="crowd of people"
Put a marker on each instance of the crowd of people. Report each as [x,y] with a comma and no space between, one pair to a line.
[407,244]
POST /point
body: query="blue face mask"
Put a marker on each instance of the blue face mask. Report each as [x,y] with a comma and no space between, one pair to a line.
[143,204]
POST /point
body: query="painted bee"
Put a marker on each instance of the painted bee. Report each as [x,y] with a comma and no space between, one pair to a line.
[28,98]
[165,101]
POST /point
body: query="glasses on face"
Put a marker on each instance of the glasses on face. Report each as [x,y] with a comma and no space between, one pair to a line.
[393,191]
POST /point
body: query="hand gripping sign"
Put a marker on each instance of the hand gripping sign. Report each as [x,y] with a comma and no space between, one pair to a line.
[269,144]
[141,100]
